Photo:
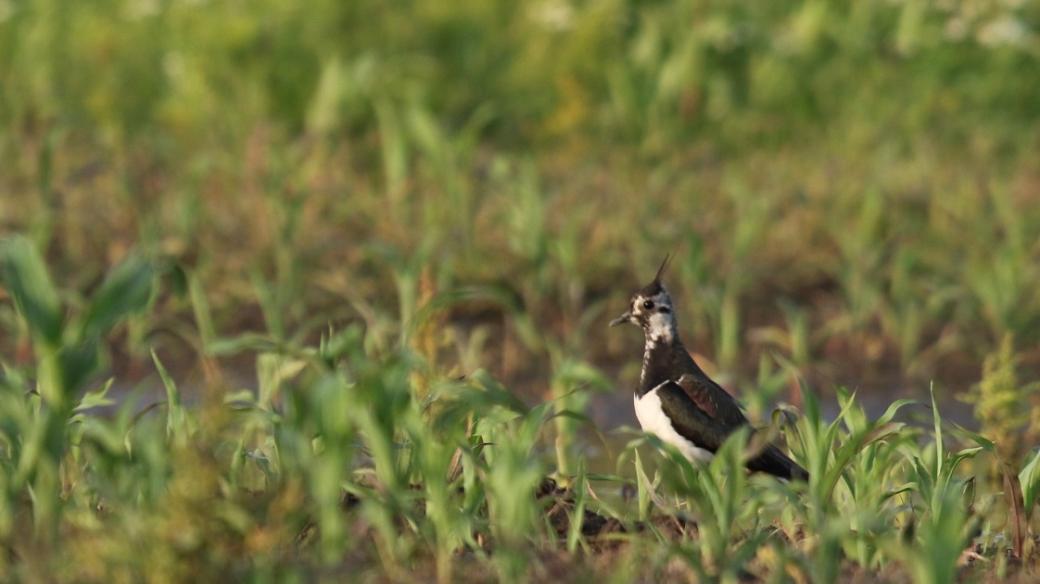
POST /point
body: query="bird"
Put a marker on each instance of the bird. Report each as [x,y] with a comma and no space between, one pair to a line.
[675,400]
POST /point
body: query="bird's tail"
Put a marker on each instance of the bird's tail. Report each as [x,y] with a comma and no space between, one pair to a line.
[776,463]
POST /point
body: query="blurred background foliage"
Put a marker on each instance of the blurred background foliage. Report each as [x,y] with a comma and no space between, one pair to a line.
[852,185]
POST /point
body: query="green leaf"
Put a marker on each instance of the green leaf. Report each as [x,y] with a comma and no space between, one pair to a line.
[644,489]
[125,291]
[245,342]
[241,398]
[983,442]
[961,456]
[25,276]
[893,409]
[78,363]
[1030,479]
[96,399]
[498,392]
[938,433]
[175,415]
[272,369]
[849,449]
[200,307]
[578,514]
[178,279]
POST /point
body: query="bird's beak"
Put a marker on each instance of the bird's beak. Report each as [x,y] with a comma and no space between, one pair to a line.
[622,319]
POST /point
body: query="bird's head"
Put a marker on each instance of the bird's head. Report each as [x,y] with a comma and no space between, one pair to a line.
[651,309]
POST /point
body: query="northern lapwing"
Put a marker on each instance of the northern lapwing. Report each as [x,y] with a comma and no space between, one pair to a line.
[675,400]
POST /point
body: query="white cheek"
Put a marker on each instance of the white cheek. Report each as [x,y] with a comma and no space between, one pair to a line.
[661,326]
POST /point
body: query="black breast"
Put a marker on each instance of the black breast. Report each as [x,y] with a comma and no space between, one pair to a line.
[663,362]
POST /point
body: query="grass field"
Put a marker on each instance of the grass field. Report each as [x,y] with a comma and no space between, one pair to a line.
[319,291]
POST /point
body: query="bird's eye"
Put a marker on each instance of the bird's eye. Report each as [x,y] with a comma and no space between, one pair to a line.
[648,304]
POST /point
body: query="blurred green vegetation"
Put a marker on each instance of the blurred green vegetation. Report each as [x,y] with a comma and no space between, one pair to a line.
[386,220]
[853,179]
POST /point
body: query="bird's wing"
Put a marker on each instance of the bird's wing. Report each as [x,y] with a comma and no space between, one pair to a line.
[713,400]
[706,431]
[695,415]
[689,419]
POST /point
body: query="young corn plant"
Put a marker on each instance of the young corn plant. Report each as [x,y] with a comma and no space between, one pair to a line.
[512,473]
[941,500]
[861,248]
[67,353]
[1029,479]
[1001,279]
[836,454]
[725,507]
[571,385]
[866,493]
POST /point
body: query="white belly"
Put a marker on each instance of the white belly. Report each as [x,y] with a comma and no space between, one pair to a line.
[652,420]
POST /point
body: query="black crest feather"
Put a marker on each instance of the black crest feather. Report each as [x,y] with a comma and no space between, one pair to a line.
[664,266]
